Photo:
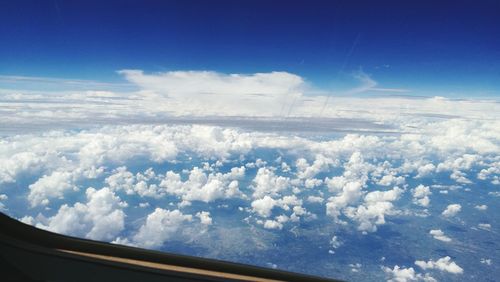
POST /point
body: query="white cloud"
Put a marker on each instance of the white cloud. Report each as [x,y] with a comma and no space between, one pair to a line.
[160,225]
[452,210]
[306,171]
[438,234]
[484,226]
[421,195]
[315,199]
[492,173]
[216,93]
[481,207]
[100,218]
[203,187]
[204,217]
[272,224]
[3,197]
[50,186]
[121,179]
[358,159]
[264,206]
[402,274]
[486,261]
[266,182]
[335,242]
[425,170]
[181,83]
[390,179]
[376,205]
[442,264]
[462,139]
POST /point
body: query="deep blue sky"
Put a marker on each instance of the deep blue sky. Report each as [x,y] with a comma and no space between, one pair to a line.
[437,46]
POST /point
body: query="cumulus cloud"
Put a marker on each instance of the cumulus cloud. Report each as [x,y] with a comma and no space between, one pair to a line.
[442,264]
[315,199]
[204,217]
[217,137]
[348,187]
[264,206]
[481,207]
[439,235]
[268,93]
[50,186]
[484,226]
[335,242]
[425,170]
[272,224]
[266,182]
[203,187]
[486,261]
[452,210]
[306,171]
[376,206]
[492,173]
[180,83]
[421,195]
[160,225]
[208,163]
[3,197]
[100,218]
[402,274]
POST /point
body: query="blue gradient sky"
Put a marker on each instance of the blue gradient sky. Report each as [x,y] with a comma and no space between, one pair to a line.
[442,47]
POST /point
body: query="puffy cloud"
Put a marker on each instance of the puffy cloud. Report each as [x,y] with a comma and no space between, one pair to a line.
[425,170]
[360,160]
[204,217]
[312,182]
[160,225]
[182,83]
[203,187]
[351,192]
[439,235]
[372,213]
[121,179]
[486,261]
[266,182]
[452,210]
[216,93]
[402,274]
[3,197]
[442,264]
[492,172]
[306,171]
[264,206]
[421,195]
[272,224]
[50,186]
[390,179]
[315,199]
[481,207]
[484,226]
[18,157]
[100,218]
[348,187]
[335,242]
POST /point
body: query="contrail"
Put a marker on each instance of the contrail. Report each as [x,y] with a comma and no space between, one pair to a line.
[346,61]
[349,54]
[291,106]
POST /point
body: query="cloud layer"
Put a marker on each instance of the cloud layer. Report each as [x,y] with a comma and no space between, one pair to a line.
[249,167]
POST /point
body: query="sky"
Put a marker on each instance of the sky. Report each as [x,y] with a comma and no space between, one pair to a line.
[300,135]
[445,48]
